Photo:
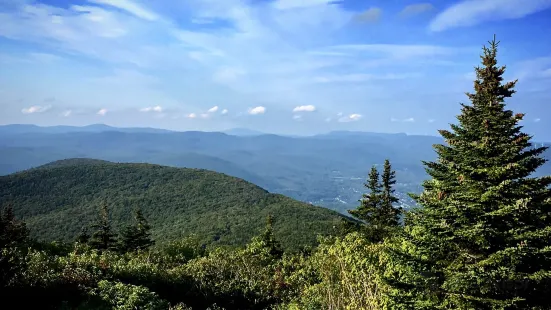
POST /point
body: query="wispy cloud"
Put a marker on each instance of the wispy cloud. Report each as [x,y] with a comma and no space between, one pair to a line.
[537,120]
[405,120]
[67,113]
[305,108]
[416,9]
[130,7]
[213,109]
[294,4]
[36,109]
[472,12]
[191,115]
[102,112]
[362,77]
[257,110]
[225,111]
[372,15]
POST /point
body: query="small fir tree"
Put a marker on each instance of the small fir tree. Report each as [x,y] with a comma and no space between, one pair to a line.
[390,214]
[103,237]
[269,240]
[137,236]
[83,237]
[482,238]
[12,231]
[368,211]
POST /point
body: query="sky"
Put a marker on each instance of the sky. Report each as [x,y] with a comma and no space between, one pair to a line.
[281,66]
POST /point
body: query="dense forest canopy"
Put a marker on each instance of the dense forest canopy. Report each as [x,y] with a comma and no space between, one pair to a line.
[58,199]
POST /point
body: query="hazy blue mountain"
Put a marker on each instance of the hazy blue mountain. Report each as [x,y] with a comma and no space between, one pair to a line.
[243,132]
[327,170]
[27,128]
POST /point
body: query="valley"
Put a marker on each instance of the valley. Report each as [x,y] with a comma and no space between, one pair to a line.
[327,170]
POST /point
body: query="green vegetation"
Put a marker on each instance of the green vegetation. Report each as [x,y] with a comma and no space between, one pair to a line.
[480,240]
[377,210]
[58,200]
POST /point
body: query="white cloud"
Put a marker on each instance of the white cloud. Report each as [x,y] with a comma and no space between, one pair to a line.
[414,9]
[350,118]
[205,115]
[537,120]
[297,117]
[472,12]
[102,112]
[372,15]
[409,120]
[152,109]
[305,108]
[225,111]
[36,109]
[191,115]
[431,120]
[129,7]
[66,113]
[257,110]
[213,109]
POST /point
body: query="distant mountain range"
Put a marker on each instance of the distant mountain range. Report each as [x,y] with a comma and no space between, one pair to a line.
[25,128]
[326,169]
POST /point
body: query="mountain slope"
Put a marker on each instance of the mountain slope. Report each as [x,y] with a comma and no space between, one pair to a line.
[58,199]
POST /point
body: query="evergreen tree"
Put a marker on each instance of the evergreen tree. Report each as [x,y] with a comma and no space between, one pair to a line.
[377,210]
[83,237]
[13,235]
[482,239]
[269,239]
[370,203]
[103,238]
[12,231]
[390,214]
[136,236]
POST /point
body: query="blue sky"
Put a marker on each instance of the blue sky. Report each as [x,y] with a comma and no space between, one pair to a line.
[282,66]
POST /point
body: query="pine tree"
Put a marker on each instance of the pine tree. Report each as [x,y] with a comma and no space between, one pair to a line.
[137,236]
[483,235]
[368,210]
[83,237]
[12,231]
[269,240]
[103,238]
[390,213]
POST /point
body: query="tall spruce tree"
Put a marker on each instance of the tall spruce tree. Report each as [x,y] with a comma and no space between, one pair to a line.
[390,213]
[137,236]
[103,237]
[482,239]
[370,202]
[274,247]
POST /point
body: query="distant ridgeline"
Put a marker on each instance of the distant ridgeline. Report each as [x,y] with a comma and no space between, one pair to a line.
[58,199]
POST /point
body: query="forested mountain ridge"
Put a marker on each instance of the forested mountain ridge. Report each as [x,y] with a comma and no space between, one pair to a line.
[58,199]
[327,170]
